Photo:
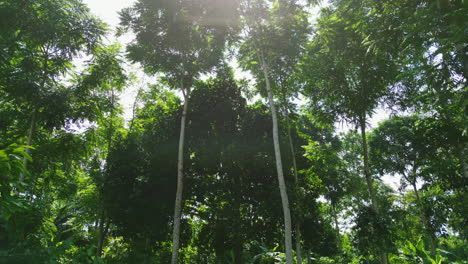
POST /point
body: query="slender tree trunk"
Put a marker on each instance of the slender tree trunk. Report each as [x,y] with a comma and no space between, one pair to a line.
[365,154]
[31,132]
[465,62]
[238,244]
[465,166]
[101,233]
[370,186]
[180,175]
[102,223]
[462,156]
[291,145]
[337,229]
[279,168]
[298,244]
[238,247]
[32,124]
[424,220]
[32,127]
[134,108]
[296,182]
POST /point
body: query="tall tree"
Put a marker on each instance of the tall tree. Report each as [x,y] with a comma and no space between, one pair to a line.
[139,177]
[427,42]
[215,142]
[398,148]
[101,82]
[41,86]
[408,146]
[41,39]
[272,41]
[344,80]
[181,39]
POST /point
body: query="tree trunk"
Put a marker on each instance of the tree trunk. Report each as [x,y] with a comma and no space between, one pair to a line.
[337,229]
[102,222]
[365,155]
[370,186]
[296,182]
[463,159]
[424,220]
[279,168]
[134,108]
[298,244]
[238,248]
[32,130]
[180,175]
[101,233]
[238,244]
[291,146]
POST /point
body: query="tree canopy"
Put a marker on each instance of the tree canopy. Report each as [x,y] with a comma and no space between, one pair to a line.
[232,149]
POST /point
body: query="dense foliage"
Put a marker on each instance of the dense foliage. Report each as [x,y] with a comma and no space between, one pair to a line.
[268,175]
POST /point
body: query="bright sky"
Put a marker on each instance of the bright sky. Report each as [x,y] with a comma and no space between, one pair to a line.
[107,9]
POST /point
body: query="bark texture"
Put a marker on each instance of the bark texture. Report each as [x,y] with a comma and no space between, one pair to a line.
[296,182]
[279,168]
[180,184]
[425,220]
[365,154]
[102,218]
[367,174]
